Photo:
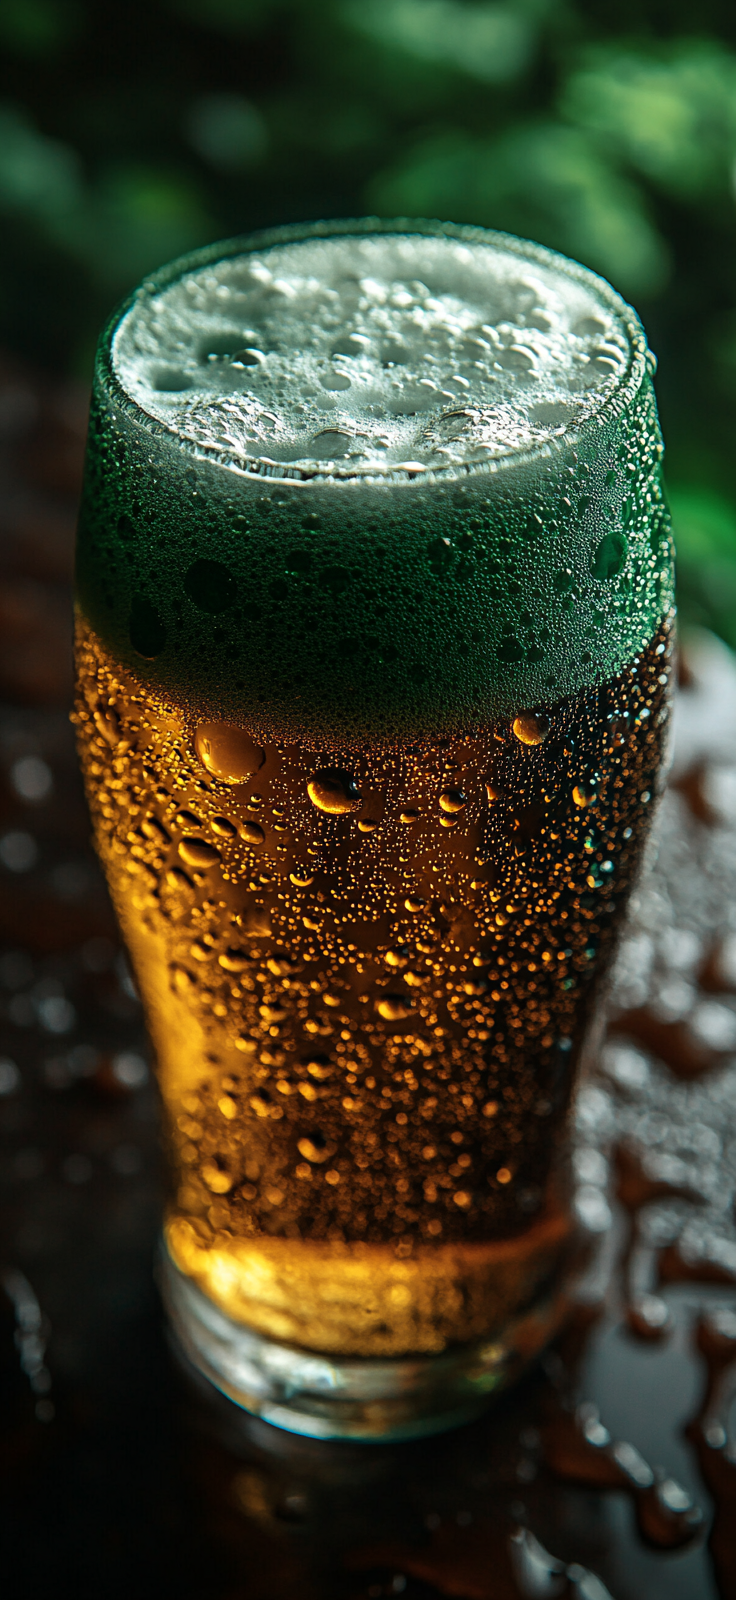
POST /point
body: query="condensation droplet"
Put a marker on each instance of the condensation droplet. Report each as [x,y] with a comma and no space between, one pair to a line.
[609,557]
[198,853]
[414,903]
[334,791]
[367,825]
[252,833]
[302,877]
[409,816]
[394,1007]
[452,800]
[224,827]
[530,727]
[226,752]
[583,794]
[217,1181]
[107,724]
[315,1149]
[234,960]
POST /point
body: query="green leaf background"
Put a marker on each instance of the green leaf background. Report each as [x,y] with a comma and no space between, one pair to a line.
[607,130]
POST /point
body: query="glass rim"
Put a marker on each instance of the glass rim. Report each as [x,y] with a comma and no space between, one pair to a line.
[640,359]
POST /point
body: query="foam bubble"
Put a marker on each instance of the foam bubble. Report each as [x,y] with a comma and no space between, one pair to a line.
[373,355]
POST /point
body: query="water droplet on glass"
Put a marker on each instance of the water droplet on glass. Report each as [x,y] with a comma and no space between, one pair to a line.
[409,816]
[107,724]
[198,853]
[234,960]
[367,825]
[146,629]
[530,727]
[609,557]
[302,877]
[224,827]
[414,903]
[227,753]
[314,1149]
[583,794]
[452,800]
[252,833]
[334,792]
[394,1007]
[210,586]
[217,1181]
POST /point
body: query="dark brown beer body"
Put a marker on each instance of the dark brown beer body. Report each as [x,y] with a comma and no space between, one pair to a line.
[368,1018]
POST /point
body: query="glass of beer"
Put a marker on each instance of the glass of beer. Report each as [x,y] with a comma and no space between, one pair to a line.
[374,631]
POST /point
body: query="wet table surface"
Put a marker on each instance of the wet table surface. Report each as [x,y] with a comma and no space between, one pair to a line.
[610,1471]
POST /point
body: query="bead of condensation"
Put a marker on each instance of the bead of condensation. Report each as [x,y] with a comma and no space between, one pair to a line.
[226,752]
[452,800]
[107,723]
[583,794]
[197,853]
[334,792]
[393,1007]
[409,816]
[448,822]
[233,960]
[223,826]
[367,825]
[530,727]
[493,792]
[252,833]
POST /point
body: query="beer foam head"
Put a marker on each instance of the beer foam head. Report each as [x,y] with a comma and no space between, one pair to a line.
[375,354]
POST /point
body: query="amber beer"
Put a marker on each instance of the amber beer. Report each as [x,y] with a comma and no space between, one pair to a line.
[373,646]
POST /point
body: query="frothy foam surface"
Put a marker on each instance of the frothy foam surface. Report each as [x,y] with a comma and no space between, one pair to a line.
[373,355]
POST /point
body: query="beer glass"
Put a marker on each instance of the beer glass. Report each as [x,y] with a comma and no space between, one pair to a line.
[373,650]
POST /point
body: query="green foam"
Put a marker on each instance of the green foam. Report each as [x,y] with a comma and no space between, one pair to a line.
[358,606]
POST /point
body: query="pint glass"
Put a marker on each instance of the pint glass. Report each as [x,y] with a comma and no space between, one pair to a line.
[373,649]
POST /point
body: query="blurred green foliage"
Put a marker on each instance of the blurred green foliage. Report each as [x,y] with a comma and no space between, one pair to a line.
[605,128]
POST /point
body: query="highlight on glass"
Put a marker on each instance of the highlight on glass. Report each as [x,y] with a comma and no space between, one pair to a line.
[374,629]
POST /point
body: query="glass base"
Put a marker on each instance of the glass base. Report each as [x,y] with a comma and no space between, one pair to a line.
[326,1397]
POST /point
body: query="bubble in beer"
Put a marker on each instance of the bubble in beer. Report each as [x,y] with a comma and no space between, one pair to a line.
[228,753]
[334,791]
[531,727]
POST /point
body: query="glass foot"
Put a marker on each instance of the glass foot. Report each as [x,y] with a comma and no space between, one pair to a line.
[328,1397]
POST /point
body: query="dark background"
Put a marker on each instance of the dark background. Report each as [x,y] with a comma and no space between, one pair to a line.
[130,133]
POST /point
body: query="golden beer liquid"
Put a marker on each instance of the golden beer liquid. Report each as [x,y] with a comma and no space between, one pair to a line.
[368,973]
